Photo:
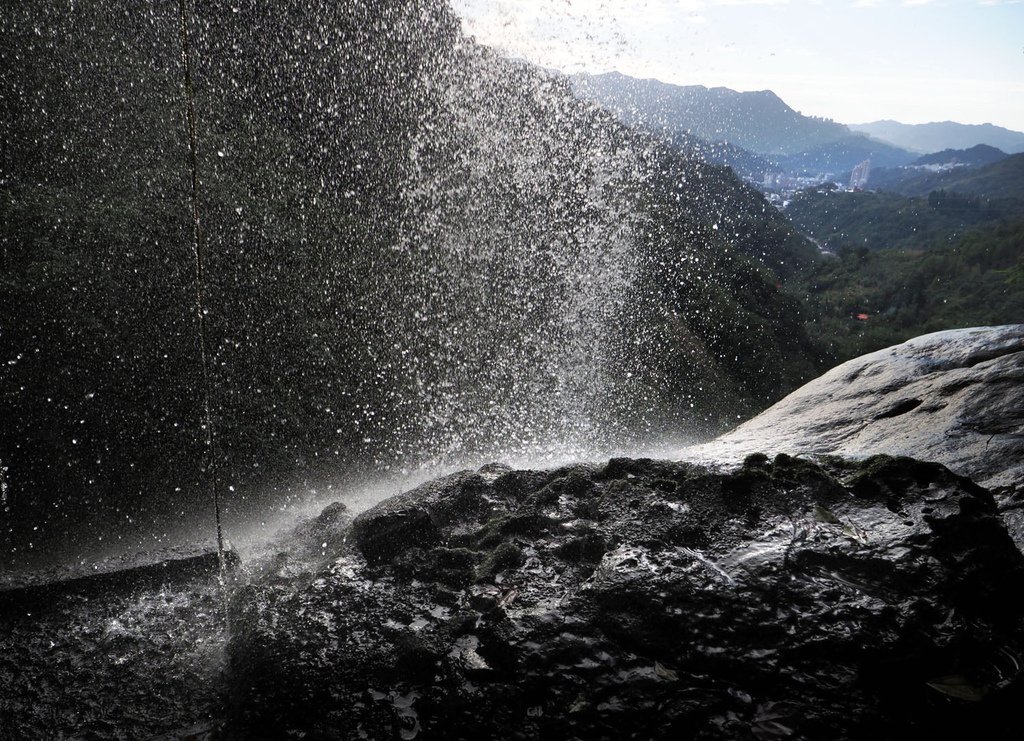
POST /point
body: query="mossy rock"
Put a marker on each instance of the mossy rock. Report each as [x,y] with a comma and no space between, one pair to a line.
[505,556]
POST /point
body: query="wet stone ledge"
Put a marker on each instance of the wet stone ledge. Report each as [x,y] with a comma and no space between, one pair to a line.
[645,599]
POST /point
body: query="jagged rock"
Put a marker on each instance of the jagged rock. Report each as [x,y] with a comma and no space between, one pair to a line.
[649,600]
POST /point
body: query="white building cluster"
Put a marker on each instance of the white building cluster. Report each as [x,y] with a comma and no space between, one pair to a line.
[859,176]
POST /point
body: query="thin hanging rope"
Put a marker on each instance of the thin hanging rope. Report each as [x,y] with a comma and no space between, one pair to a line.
[200,283]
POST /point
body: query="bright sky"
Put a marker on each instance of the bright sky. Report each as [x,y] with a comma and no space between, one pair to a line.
[851,60]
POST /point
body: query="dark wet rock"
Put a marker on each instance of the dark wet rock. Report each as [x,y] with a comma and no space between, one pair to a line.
[332,520]
[116,656]
[137,572]
[646,599]
[389,534]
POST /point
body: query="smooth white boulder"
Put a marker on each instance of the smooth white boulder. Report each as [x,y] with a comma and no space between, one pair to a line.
[953,397]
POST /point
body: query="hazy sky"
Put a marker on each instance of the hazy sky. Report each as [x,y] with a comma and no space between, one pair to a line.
[851,60]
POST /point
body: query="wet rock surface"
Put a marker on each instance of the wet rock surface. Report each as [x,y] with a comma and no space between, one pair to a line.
[113,658]
[645,599]
[954,397]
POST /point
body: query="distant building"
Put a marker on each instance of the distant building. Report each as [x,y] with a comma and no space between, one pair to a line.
[860,175]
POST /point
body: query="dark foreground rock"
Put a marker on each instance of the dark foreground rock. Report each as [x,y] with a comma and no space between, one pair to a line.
[648,600]
[133,655]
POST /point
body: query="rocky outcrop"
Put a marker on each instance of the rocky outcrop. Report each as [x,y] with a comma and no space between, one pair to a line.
[850,596]
[954,397]
[648,600]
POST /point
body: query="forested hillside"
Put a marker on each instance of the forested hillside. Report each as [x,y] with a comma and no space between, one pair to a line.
[862,300]
[1001,182]
[906,265]
[881,220]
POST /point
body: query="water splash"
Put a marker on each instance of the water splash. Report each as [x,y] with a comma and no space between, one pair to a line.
[522,247]
[423,255]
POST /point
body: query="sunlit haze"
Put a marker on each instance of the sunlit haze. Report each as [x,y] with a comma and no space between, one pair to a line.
[854,61]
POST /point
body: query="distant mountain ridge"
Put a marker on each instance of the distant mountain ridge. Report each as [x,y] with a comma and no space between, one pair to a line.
[977,156]
[843,155]
[757,133]
[934,137]
[777,137]
[757,121]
